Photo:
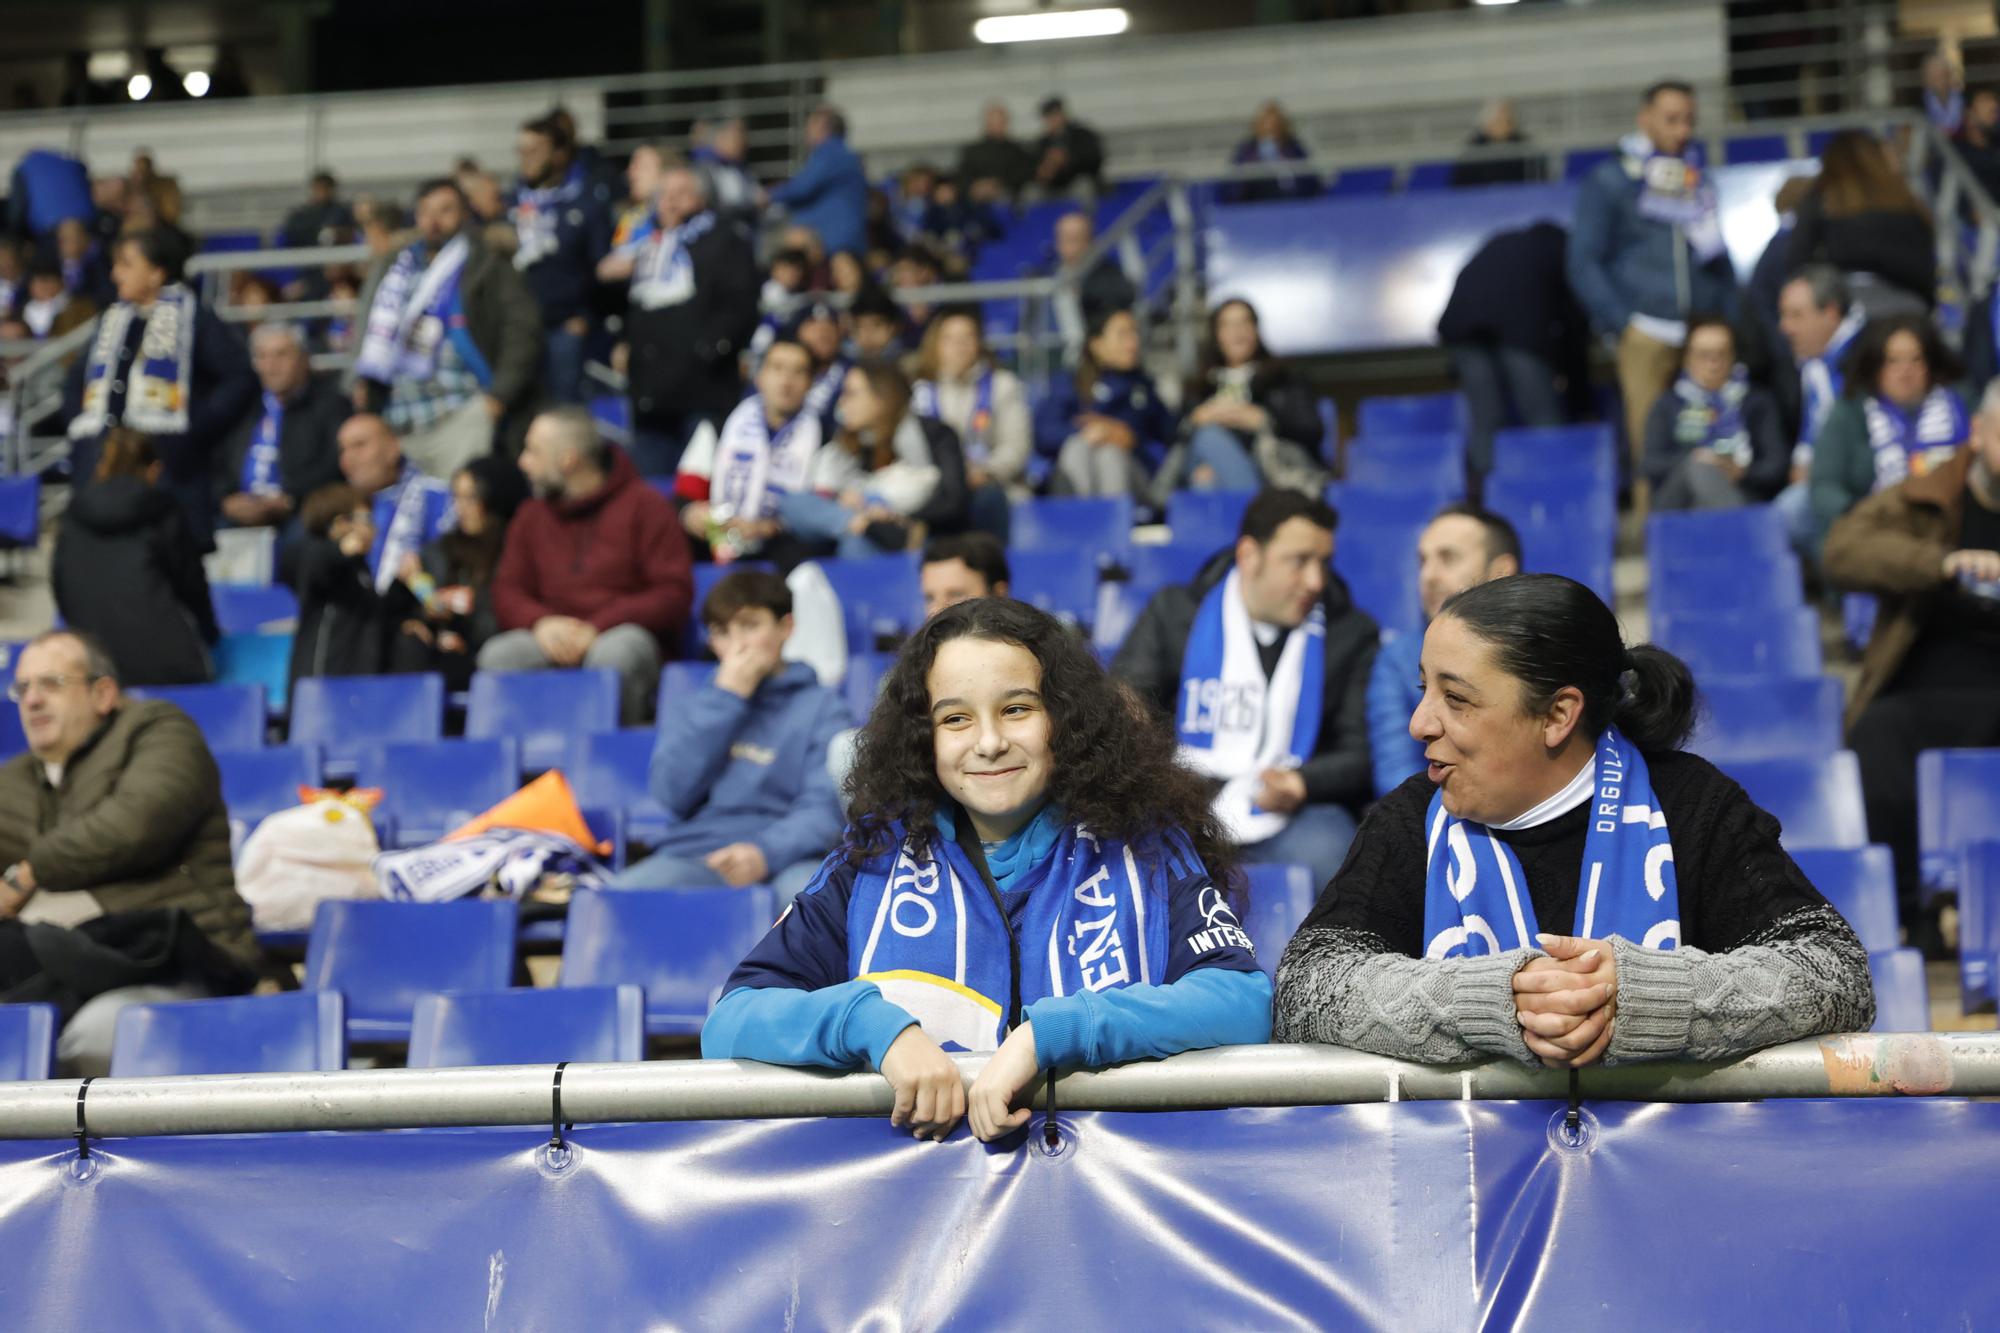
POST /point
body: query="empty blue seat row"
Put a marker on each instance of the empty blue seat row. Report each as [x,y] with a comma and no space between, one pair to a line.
[1958,802]
[1768,717]
[1736,538]
[1743,643]
[1817,801]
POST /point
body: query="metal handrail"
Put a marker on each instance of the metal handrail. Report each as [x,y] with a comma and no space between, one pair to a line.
[1959,1064]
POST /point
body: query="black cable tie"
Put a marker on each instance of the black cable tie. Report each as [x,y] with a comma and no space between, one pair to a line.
[82,1130]
[1573,1118]
[1049,1135]
[556,1125]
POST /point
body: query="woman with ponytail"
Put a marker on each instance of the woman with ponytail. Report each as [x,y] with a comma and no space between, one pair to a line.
[1562,883]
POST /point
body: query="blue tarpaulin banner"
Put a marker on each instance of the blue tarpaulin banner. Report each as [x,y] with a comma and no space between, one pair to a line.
[1439,1215]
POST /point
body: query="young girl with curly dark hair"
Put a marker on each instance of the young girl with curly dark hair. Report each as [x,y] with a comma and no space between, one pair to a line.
[1026,868]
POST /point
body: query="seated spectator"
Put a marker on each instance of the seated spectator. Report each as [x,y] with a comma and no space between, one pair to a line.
[1898,416]
[1686,932]
[958,569]
[450,339]
[876,326]
[740,764]
[1262,663]
[408,510]
[722,161]
[777,302]
[321,220]
[1944,93]
[1069,153]
[127,570]
[164,365]
[1516,336]
[1093,294]
[562,230]
[86,273]
[51,310]
[1462,547]
[829,193]
[886,478]
[846,274]
[1254,421]
[451,580]
[733,482]
[1820,327]
[1714,441]
[348,616]
[817,327]
[113,824]
[288,445]
[1862,217]
[1978,141]
[1272,143]
[960,225]
[916,266]
[958,384]
[995,167]
[1106,427]
[1483,167]
[692,312]
[913,199]
[1001,757]
[595,572]
[1929,548]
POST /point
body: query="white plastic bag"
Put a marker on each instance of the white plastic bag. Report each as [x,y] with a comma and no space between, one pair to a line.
[298,857]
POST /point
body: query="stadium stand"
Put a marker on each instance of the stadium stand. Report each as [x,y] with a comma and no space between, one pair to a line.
[294,1032]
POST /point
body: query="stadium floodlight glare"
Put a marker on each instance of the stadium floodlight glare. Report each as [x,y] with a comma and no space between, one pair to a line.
[139,87]
[1495,2]
[196,82]
[1051,25]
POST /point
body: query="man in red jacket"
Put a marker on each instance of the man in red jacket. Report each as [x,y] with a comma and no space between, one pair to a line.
[595,572]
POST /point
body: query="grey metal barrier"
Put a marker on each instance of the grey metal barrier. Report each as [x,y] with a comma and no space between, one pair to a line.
[1958,1064]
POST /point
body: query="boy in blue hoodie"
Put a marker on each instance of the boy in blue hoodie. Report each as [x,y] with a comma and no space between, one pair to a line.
[741,763]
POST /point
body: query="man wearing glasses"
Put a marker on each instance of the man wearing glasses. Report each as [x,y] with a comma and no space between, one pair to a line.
[112,819]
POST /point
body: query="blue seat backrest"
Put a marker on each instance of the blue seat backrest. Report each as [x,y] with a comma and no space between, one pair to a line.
[1817,801]
[607,770]
[1406,414]
[1860,882]
[1583,161]
[1407,461]
[680,945]
[681,680]
[528,1026]
[1119,606]
[254,608]
[1567,453]
[1056,582]
[20,510]
[1355,181]
[1209,519]
[343,713]
[1746,535]
[1743,643]
[294,1032]
[1756,148]
[1770,584]
[430,787]
[260,782]
[1902,993]
[1958,800]
[27,1042]
[231,717]
[383,955]
[1280,898]
[1979,922]
[257,659]
[1767,717]
[1379,562]
[1168,563]
[864,682]
[542,709]
[880,597]
[1411,502]
[1429,176]
[1084,526]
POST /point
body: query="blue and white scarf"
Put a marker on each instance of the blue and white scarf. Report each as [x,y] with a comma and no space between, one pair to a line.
[510,860]
[1233,722]
[416,308]
[260,460]
[415,510]
[1676,191]
[664,272]
[755,468]
[537,218]
[924,928]
[978,427]
[1911,443]
[1821,379]
[1714,420]
[157,387]
[825,391]
[1476,898]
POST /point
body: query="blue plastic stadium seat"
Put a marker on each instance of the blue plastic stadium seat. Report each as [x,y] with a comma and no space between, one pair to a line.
[1412,414]
[1771,584]
[343,713]
[295,1032]
[1329,423]
[1119,606]
[431,787]
[1979,923]
[1568,453]
[679,680]
[608,770]
[20,511]
[1582,161]
[1379,562]
[1429,176]
[1743,643]
[1817,801]
[382,956]
[1958,800]
[679,945]
[231,717]
[13,740]
[880,597]
[612,409]
[1748,535]
[1057,582]
[1432,460]
[27,1042]
[527,1026]
[1565,528]
[1083,526]
[1757,148]
[1767,717]
[1359,182]
[1207,519]
[1392,506]
[864,682]
[1817,140]
[1165,564]
[257,659]
[1902,993]
[1280,897]
[542,709]
[1860,882]
[254,609]
[706,576]
[261,782]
